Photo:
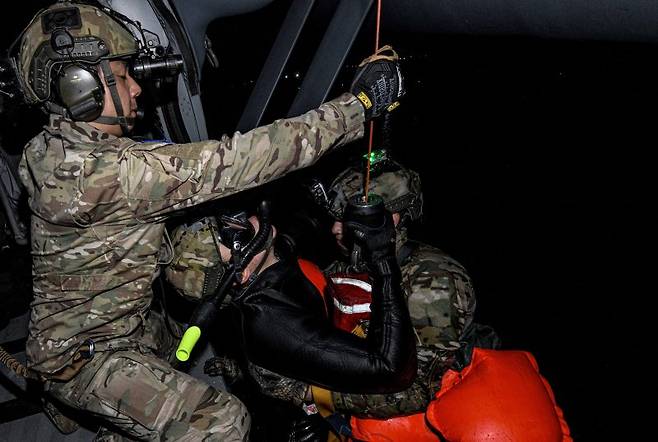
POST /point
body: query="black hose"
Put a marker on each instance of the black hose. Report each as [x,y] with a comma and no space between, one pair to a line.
[264,231]
[204,315]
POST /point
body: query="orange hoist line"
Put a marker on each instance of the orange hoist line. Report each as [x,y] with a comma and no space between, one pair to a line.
[372,123]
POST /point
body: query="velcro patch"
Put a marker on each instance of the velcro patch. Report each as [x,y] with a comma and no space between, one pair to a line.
[393,106]
[363,98]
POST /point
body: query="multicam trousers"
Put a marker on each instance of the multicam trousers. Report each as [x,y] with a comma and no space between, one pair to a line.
[142,396]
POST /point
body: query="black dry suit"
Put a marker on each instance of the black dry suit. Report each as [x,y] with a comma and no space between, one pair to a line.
[285,329]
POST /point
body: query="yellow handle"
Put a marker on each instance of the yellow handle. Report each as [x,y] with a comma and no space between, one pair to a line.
[323,400]
[188,342]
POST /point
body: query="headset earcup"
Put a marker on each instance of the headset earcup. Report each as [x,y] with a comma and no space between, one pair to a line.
[81,92]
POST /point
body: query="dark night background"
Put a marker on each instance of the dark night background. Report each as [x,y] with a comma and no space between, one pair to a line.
[530,153]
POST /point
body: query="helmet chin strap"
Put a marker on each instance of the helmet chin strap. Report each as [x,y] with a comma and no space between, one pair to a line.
[117,120]
[120,119]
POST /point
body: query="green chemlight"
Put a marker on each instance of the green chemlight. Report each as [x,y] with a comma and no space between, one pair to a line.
[188,342]
[375,156]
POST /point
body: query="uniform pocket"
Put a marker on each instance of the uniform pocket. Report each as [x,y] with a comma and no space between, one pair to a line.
[133,393]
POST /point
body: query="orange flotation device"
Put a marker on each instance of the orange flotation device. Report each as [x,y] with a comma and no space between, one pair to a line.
[313,273]
[404,428]
[499,396]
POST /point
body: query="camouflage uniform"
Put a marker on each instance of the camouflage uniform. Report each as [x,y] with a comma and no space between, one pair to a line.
[99,205]
[196,267]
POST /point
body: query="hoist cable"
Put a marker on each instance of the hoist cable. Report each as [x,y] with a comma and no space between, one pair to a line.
[372,123]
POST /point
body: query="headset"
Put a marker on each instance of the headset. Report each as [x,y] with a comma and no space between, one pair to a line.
[65,72]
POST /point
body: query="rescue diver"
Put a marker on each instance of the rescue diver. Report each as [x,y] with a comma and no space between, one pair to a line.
[456,357]
[438,290]
[436,287]
[452,349]
[284,325]
[99,201]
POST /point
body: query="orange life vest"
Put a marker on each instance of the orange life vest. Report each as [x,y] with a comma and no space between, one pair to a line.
[499,396]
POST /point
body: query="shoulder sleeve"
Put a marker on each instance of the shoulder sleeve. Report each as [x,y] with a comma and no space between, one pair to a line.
[440,296]
[161,178]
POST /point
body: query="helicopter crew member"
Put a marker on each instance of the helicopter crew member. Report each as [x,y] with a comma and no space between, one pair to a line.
[99,201]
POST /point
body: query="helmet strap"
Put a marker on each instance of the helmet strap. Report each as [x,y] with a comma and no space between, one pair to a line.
[120,119]
[116,120]
[54,108]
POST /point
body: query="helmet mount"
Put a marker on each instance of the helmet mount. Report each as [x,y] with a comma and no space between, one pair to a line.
[64,54]
[399,187]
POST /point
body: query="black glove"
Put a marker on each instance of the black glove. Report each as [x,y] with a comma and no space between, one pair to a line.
[378,83]
[370,228]
[312,428]
[223,366]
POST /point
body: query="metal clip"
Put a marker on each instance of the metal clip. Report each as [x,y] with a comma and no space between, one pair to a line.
[90,351]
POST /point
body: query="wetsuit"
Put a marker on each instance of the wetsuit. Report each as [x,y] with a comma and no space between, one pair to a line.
[285,328]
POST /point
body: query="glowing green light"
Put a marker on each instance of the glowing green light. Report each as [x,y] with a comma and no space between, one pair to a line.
[376,156]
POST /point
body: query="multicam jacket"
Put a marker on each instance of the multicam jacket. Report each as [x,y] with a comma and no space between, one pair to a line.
[98,209]
[439,293]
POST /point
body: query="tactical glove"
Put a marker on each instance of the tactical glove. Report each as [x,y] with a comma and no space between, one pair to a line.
[223,366]
[312,428]
[378,83]
[370,227]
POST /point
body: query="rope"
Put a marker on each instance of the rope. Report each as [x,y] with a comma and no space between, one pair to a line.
[372,123]
[14,365]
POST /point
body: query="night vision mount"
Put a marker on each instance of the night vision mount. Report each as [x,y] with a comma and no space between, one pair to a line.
[66,62]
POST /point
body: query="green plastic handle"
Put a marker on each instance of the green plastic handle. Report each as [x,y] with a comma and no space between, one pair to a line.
[188,342]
